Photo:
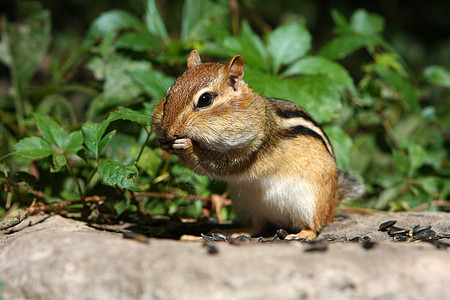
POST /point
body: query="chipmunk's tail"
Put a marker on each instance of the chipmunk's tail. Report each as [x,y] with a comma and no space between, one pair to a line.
[349,186]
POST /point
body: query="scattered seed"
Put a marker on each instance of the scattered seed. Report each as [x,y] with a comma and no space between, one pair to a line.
[437,243]
[386,225]
[368,244]
[207,238]
[129,235]
[211,247]
[281,234]
[342,239]
[393,231]
[356,239]
[317,245]
[420,229]
[218,237]
[444,235]
[400,238]
[135,236]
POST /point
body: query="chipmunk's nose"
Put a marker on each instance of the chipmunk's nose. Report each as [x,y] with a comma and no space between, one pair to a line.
[172,133]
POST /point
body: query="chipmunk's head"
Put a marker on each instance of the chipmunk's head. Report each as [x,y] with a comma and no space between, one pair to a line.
[209,104]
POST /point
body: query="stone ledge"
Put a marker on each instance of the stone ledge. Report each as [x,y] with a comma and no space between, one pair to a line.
[59,258]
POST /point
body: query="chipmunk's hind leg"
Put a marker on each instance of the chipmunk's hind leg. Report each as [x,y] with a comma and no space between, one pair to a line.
[307,234]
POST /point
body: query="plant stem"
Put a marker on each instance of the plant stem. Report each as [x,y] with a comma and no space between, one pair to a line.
[85,212]
[149,134]
[88,182]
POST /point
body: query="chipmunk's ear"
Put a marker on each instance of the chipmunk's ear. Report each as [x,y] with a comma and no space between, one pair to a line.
[235,69]
[193,59]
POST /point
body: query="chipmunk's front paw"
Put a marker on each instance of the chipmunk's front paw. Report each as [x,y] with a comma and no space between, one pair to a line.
[175,146]
[182,144]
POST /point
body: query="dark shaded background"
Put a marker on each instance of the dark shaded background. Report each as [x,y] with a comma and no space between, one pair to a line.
[420,30]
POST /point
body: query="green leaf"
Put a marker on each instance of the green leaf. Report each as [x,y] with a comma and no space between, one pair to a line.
[402,162]
[154,83]
[402,86]
[202,19]
[342,145]
[313,65]
[138,41]
[366,23]
[107,26]
[417,155]
[437,75]
[50,130]
[342,46]
[342,26]
[119,87]
[131,115]
[250,46]
[153,21]
[59,161]
[116,174]
[23,45]
[287,43]
[73,142]
[430,184]
[33,147]
[120,207]
[93,136]
[316,93]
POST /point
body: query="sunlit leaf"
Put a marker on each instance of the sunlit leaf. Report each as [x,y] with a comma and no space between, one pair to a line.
[437,75]
[116,174]
[250,46]
[342,145]
[366,23]
[153,21]
[131,115]
[313,65]
[33,147]
[94,138]
[287,43]
[154,83]
[202,18]
[138,41]
[402,86]
[402,162]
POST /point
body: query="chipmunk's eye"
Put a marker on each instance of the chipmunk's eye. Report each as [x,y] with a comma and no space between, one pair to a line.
[205,100]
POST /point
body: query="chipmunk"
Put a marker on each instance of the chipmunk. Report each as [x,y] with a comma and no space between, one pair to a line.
[279,164]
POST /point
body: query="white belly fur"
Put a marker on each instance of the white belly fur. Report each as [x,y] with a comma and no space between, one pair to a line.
[285,203]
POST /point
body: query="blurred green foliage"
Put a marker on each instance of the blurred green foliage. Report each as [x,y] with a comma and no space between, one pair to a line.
[79,131]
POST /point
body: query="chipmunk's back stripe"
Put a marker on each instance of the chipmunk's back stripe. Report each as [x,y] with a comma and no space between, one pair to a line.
[302,130]
[288,114]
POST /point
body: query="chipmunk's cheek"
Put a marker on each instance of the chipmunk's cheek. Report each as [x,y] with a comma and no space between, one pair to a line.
[182,144]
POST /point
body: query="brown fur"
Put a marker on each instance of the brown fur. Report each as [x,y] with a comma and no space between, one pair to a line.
[242,134]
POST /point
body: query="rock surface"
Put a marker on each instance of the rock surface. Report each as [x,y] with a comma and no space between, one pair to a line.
[51,257]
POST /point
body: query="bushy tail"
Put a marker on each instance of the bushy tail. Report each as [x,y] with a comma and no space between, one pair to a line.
[349,186]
